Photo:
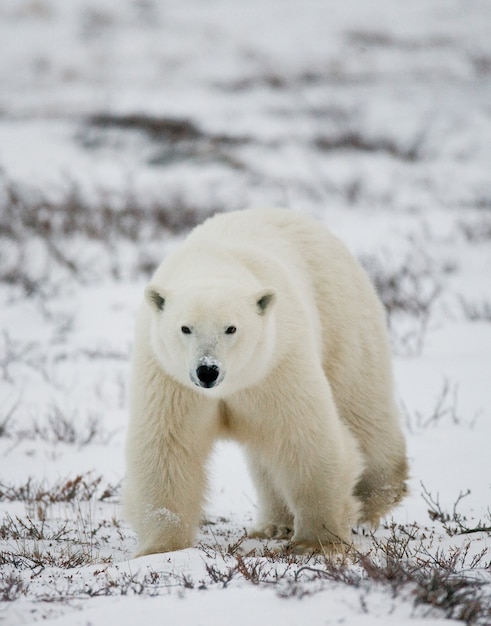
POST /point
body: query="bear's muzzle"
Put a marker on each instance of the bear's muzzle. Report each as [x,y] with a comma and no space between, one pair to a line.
[207,374]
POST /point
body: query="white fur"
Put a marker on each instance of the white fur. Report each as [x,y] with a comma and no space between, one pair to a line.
[304,383]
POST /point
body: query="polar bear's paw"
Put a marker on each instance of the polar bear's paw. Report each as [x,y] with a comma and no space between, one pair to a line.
[272,531]
[308,547]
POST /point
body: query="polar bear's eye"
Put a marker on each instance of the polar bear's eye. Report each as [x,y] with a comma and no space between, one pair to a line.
[185,330]
[230,330]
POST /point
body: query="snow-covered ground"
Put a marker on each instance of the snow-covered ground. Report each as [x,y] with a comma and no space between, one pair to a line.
[123,124]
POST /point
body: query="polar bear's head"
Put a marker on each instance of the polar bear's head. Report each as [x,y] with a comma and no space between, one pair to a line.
[214,338]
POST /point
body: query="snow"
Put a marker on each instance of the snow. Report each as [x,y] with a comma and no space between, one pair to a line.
[375,118]
[256,607]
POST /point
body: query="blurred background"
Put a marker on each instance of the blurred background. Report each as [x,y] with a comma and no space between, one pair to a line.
[156,114]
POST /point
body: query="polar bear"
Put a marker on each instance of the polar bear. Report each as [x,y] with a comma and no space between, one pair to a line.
[261,327]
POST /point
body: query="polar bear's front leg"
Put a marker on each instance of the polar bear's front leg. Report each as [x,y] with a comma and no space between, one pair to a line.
[169,441]
[164,495]
[315,463]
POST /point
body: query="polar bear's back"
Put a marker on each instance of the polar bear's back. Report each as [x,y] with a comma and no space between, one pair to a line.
[268,229]
[299,244]
[277,235]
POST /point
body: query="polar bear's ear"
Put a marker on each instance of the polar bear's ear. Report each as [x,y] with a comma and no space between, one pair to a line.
[154,297]
[264,300]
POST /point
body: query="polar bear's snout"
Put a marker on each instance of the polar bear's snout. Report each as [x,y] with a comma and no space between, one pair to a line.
[207,375]
[208,372]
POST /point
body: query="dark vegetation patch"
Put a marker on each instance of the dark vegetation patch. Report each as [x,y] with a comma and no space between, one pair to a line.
[172,140]
[58,427]
[481,64]
[25,212]
[354,140]
[82,487]
[157,127]
[476,310]
[43,237]
[409,286]
[477,230]
[384,40]
[273,81]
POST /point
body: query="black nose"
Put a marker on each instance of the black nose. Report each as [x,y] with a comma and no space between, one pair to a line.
[207,375]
